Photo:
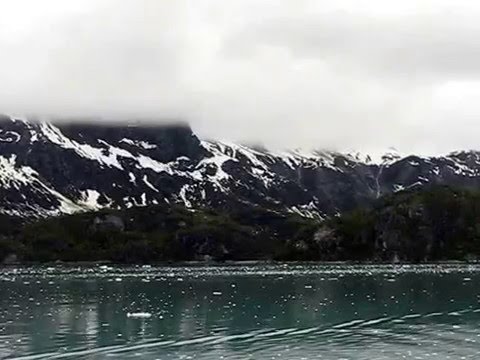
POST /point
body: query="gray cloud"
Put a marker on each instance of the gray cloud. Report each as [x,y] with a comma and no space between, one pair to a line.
[347,74]
[111,59]
[408,45]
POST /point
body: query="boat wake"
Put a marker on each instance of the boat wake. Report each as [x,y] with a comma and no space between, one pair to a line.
[376,338]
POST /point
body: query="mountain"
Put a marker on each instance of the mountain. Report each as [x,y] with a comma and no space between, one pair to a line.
[52,168]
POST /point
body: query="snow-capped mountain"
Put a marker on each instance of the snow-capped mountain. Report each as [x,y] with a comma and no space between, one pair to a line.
[48,169]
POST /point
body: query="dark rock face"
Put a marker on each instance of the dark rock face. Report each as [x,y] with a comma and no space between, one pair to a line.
[48,169]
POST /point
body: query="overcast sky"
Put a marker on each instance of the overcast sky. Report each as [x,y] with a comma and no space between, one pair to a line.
[345,74]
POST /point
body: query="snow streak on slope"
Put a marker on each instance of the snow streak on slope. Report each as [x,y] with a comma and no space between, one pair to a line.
[110,156]
[103,155]
[24,180]
[12,176]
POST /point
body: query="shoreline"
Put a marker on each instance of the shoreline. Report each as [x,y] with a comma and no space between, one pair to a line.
[231,263]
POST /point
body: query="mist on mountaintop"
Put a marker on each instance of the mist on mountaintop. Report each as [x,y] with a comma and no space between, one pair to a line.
[309,74]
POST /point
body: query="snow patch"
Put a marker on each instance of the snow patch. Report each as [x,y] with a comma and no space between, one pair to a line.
[146,162]
[398,188]
[90,199]
[183,195]
[9,136]
[143,144]
[132,178]
[149,184]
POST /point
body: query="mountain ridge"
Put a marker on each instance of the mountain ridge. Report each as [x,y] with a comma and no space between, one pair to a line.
[58,168]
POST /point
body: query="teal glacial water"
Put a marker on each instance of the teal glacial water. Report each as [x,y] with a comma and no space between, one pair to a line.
[297,311]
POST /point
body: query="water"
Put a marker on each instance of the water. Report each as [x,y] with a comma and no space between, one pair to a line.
[241,312]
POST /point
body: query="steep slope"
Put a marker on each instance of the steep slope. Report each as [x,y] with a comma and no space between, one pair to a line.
[440,223]
[54,168]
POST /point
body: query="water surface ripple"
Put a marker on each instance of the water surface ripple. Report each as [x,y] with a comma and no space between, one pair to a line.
[241,311]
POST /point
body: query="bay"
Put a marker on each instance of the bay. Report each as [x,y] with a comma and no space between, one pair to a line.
[240,311]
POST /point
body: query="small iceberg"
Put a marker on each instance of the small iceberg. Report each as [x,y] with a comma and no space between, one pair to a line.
[139,315]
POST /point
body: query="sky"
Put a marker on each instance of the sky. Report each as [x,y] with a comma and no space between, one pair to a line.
[360,75]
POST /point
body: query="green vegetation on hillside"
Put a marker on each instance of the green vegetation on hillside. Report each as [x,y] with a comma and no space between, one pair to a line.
[429,225]
[152,234]
[435,224]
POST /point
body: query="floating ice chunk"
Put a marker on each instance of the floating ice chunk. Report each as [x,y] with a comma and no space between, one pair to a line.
[139,315]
